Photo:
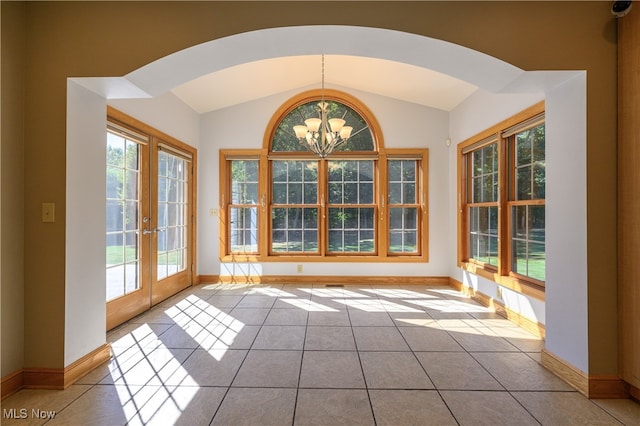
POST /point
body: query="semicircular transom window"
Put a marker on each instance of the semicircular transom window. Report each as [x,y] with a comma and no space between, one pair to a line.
[285,140]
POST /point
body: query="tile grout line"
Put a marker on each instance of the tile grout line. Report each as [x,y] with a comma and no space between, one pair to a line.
[239,366]
[304,342]
[435,388]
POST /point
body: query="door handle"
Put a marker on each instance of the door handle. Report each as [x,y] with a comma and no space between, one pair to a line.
[151,231]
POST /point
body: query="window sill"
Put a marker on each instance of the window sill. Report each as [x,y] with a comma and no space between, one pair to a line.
[511,282]
[326,259]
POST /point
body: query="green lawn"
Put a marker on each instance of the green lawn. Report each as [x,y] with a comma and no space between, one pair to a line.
[116,255]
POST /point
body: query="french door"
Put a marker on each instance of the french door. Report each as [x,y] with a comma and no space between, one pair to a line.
[149,229]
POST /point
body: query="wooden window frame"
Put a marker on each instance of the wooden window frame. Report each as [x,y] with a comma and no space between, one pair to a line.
[380,202]
[500,274]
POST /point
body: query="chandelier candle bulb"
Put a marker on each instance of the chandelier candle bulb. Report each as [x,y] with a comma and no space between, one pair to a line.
[313,124]
[336,124]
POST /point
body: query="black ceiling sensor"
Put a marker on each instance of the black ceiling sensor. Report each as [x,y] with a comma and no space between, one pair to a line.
[620,8]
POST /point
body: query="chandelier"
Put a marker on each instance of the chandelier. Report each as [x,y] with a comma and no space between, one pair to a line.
[322,135]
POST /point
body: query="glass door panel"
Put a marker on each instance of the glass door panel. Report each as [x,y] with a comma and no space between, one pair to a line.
[126,206]
[149,221]
[171,242]
[172,215]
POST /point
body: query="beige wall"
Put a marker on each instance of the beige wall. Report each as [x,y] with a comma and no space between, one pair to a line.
[12,189]
[113,38]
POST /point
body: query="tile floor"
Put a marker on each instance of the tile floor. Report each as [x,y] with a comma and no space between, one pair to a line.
[317,355]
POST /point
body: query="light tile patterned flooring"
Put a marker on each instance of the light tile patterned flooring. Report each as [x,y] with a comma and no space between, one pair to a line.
[317,355]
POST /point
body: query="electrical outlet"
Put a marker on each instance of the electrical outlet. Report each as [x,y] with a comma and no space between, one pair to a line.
[499,292]
[48,212]
[213,212]
[299,269]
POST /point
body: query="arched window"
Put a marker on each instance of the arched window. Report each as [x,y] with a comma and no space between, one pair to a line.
[294,201]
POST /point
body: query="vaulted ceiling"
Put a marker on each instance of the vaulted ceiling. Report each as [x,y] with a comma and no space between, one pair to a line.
[258,79]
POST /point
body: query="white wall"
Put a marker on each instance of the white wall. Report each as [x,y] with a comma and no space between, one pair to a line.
[566,221]
[85,293]
[479,112]
[166,113]
[403,125]
[564,310]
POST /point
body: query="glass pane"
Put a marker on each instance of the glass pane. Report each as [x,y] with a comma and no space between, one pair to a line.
[519,219]
[350,193]
[294,240]
[335,241]
[402,230]
[409,193]
[131,277]
[294,182]
[484,174]
[395,171]
[410,241]
[279,193]
[294,229]
[295,193]
[244,230]
[294,218]
[402,182]
[523,183]
[310,241]
[366,193]
[483,230]
[487,188]
[493,221]
[366,171]
[122,213]
[539,180]
[351,230]
[310,195]
[279,241]
[284,139]
[530,163]
[519,253]
[351,218]
[528,241]
[476,194]
[310,218]
[536,261]
[395,193]
[537,223]
[409,170]
[131,249]
[477,162]
[244,181]
[162,269]
[131,185]
[523,148]
[366,241]
[279,219]
[115,216]
[115,182]
[131,215]
[115,150]
[279,171]
[172,205]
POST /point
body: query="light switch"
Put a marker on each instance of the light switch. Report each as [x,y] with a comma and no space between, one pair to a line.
[49,212]
[213,212]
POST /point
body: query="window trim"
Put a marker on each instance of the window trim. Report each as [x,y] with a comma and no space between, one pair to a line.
[501,274]
[380,156]
[381,202]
